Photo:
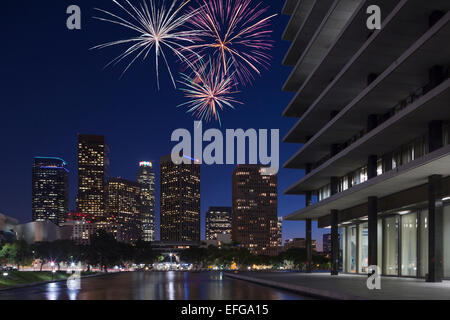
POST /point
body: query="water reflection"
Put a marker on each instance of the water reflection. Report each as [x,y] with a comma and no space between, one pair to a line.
[153,286]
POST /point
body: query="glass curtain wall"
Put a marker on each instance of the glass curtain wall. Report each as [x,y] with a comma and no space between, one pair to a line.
[343,246]
[351,249]
[380,244]
[391,245]
[363,234]
[409,244]
[423,243]
[447,241]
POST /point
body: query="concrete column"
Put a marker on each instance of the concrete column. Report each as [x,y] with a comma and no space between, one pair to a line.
[387,162]
[334,243]
[435,230]
[435,135]
[334,185]
[308,198]
[372,210]
[372,166]
[349,179]
[308,245]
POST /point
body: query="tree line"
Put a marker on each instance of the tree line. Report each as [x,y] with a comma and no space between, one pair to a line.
[225,256]
[106,252]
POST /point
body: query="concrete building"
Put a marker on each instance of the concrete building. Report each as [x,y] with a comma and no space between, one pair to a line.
[255,209]
[7,228]
[373,118]
[38,231]
[50,200]
[217,222]
[180,201]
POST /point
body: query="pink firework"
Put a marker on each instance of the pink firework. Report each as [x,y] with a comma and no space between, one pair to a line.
[236,32]
[209,91]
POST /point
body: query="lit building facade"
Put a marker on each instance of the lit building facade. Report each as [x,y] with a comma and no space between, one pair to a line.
[326,243]
[124,203]
[179,201]
[146,178]
[374,122]
[93,168]
[277,233]
[217,221]
[79,231]
[49,189]
[254,216]
[298,243]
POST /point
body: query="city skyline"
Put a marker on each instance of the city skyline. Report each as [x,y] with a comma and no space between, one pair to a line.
[136,118]
[101,140]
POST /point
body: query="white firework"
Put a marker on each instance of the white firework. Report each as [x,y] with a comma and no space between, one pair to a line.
[157,27]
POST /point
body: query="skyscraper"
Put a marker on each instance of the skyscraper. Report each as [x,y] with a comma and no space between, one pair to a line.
[49,189]
[254,209]
[146,178]
[93,167]
[124,203]
[217,221]
[180,201]
[276,233]
[326,243]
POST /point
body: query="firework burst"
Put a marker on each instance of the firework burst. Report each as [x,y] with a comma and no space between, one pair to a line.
[157,27]
[235,31]
[209,91]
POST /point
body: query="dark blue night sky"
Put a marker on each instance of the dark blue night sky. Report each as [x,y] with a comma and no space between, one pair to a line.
[53,87]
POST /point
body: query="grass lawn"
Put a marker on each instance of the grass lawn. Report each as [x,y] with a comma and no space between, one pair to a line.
[23,277]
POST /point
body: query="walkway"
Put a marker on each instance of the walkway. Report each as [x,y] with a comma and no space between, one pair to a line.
[345,286]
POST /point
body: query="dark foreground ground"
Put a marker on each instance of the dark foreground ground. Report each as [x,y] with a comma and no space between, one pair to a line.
[345,286]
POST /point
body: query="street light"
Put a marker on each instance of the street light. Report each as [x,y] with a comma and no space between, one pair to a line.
[52,264]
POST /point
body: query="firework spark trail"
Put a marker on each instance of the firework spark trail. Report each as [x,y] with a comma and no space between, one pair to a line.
[209,91]
[235,31]
[157,27]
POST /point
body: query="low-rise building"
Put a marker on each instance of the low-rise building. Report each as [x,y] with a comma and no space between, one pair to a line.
[38,231]
[7,226]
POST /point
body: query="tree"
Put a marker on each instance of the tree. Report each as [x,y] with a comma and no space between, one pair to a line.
[194,255]
[105,247]
[17,253]
[143,253]
[41,250]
